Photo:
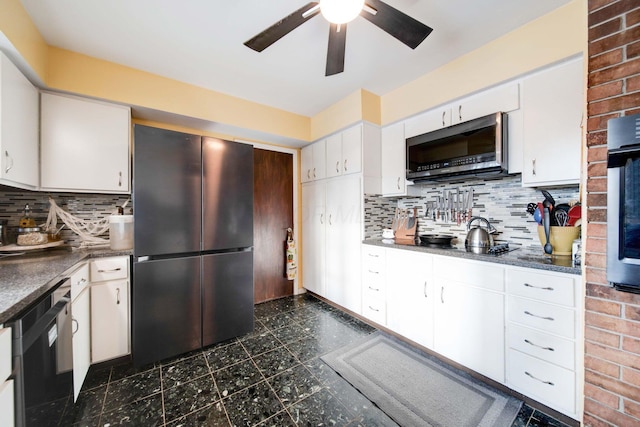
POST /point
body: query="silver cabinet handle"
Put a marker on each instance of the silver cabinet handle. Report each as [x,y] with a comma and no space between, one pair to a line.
[373,255]
[442,294]
[330,220]
[444,113]
[314,173]
[308,173]
[338,166]
[539,317]
[425,289]
[533,166]
[117,296]
[548,288]
[398,184]
[374,309]
[538,379]
[373,272]
[460,112]
[374,289]
[9,161]
[345,165]
[74,321]
[113,270]
[321,218]
[120,179]
[539,346]
[81,281]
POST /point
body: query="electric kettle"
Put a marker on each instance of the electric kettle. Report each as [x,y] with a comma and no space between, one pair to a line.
[479,239]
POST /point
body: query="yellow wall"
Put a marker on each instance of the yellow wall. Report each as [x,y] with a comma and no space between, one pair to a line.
[548,39]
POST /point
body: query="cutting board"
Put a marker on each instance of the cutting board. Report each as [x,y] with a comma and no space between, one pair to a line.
[16,248]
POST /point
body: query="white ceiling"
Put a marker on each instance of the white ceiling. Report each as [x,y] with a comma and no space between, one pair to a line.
[201,42]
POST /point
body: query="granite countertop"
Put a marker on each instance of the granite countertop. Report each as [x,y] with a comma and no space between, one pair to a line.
[24,278]
[520,257]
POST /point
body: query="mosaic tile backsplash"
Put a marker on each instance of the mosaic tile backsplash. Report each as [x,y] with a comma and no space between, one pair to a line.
[86,206]
[503,201]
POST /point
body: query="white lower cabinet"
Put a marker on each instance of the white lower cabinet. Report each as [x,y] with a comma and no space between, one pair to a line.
[81,314]
[314,242]
[410,295]
[7,416]
[374,287]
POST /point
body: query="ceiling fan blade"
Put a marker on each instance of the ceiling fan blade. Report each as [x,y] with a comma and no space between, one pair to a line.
[283,27]
[400,25]
[335,49]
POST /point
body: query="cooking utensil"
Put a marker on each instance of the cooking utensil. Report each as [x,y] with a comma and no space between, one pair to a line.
[548,249]
[547,196]
[436,239]
[562,217]
[478,239]
[531,208]
[575,213]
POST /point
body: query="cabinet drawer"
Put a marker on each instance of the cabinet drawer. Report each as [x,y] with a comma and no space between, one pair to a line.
[7,417]
[373,256]
[543,381]
[109,269]
[79,280]
[480,274]
[541,286]
[547,347]
[547,317]
[374,308]
[5,353]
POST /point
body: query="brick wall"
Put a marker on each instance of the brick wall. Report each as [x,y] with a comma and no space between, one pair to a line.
[612,334]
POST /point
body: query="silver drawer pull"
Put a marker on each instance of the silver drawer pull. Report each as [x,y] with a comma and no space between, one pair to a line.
[374,309]
[373,272]
[374,255]
[548,288]
[538,379]
[539,317]
[81,281]
[425,289]
[539,346]
[117,296]
[374,289]
[113,270]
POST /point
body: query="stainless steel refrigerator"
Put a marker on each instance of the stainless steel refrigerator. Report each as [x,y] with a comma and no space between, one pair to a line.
[193,241]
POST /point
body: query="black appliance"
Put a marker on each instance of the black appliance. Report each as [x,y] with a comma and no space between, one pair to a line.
[43,360]
[623,203]
[193,242]
[477,147]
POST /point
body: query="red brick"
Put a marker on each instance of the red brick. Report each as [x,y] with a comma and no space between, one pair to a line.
[631,376]
[597,230]
[600,123]
[602,366]
[603,306]
[631,345]
[595,276]
[590,421]
[604,60]
[601,337]
[632,409]
[596,215]
[611,415]
[614,41]
[607,292]
[605,29]
[633,83]
[632,18]
[616,103]
[596,260]
[633,50]
[620,71]
[606,90]
[598,4]
[596,200]
[632,313]
[597,138]
[602,396]
[596,245]
[611,11]
[614,324]
[611,385]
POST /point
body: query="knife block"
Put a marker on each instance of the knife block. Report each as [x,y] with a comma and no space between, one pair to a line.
[406,225]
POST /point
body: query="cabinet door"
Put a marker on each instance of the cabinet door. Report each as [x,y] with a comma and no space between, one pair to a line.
[553,104]
[469,327]
[503,98]
[428,121]
[410,295]
[109,320]
[81,313]
[352,150]
[344,235]
[334,155]
[84,145]
[19,117]
[319,160]
[313,244]
[306,163]
[393,160]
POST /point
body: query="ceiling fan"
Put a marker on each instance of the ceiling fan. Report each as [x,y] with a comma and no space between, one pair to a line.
[339,12]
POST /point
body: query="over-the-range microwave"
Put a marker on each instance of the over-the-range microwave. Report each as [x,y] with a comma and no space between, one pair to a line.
[477,147]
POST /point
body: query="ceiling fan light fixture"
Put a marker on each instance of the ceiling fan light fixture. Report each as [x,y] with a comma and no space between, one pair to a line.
[341,11]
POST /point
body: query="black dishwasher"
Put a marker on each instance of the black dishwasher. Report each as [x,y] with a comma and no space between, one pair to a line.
[43,360]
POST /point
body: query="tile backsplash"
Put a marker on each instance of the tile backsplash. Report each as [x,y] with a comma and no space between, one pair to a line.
[503,201]
[85,206]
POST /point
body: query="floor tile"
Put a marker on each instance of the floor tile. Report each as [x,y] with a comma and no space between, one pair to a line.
[96,378]
[184,370]
[121,371]
[289,333]
[211,416]
[522,419]
[277,321]
[306,348]
[294,384]
[89,404]
[236,377]
[225,355]
[275,361]
[130,389]
[252,405]
[143,412]
[281,419]
[189,397]
[320,409]
[261,343]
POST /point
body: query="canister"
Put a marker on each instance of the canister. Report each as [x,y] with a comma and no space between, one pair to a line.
[576,252]
[121,232]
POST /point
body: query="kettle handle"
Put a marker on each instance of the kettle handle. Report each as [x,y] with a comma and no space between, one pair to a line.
[481,219]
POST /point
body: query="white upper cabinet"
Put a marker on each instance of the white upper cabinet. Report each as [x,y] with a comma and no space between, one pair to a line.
[344,152]
[428,121]
[393,160]
[334,155]
[85,145]
[19,115]
[553,101]
[313,161]
[503,98]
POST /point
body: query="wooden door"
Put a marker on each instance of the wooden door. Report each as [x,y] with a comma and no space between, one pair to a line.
[272,215]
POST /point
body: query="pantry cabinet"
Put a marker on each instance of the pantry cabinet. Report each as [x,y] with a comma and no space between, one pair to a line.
[85,145]
[552,120]
[110,317]
[314,242]
[19,128]
[313,161]
[393,160]
[344,152]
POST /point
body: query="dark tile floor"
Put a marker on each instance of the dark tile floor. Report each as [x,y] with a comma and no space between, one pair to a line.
[272,377]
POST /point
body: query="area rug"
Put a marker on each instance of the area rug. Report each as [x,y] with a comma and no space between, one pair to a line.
[416,390]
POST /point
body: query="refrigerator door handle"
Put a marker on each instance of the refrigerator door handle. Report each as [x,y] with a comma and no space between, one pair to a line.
[142,259]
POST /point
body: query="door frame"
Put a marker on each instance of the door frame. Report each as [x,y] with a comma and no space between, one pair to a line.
[296,196]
